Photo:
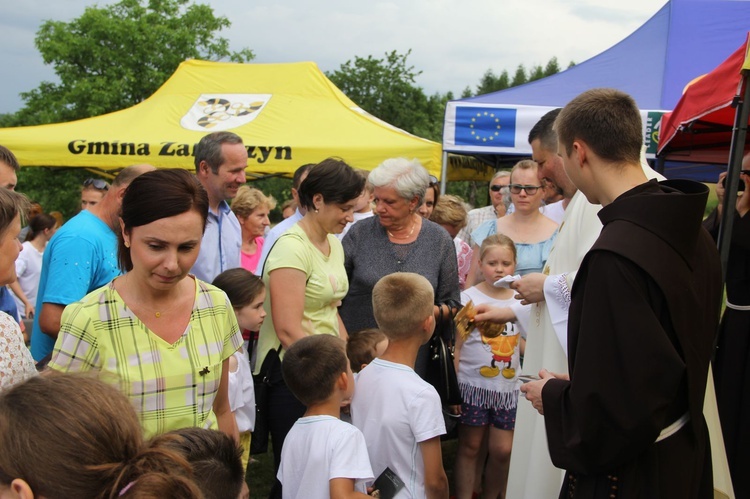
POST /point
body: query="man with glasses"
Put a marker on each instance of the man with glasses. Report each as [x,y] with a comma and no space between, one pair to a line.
[92,192]
[499,201]
[80,257]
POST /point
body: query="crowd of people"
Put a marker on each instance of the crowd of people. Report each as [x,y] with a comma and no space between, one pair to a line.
[174,330]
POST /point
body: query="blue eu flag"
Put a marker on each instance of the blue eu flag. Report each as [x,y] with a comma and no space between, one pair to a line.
[485,126]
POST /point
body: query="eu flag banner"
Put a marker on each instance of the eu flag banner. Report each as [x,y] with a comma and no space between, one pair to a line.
[485,126]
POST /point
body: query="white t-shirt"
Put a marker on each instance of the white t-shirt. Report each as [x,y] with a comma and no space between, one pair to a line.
[356,218]
[318,449]
[242,393]
[396,409]
[554,211]
[28,270]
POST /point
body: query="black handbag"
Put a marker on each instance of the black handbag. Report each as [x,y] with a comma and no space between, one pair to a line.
[441,370]
[268,376]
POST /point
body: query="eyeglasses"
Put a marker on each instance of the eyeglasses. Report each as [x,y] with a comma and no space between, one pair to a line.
[498,188]
[530,189]
[96,183]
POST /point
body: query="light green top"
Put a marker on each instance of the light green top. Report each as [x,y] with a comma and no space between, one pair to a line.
[327,284]
[170,386]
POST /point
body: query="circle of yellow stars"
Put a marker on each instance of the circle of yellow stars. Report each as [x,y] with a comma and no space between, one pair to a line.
[492,135]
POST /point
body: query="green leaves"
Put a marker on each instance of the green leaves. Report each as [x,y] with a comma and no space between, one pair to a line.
[113,57]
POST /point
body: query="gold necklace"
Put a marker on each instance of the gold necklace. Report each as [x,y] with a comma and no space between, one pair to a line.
[413,226]
[156,313]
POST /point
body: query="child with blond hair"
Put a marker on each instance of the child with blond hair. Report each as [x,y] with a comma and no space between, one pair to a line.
[398,412]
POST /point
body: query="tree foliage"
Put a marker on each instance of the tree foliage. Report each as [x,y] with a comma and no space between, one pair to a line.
[113,57]
[387,89]
[107,59]
[490,82]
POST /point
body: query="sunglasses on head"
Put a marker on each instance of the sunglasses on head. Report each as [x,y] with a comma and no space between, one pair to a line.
[96,183]
[530,189]
[433,180]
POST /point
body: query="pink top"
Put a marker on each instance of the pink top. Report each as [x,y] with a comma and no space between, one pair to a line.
[250,262]
[463,253]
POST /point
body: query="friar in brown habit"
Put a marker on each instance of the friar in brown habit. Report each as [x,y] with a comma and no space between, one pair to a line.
[644,310]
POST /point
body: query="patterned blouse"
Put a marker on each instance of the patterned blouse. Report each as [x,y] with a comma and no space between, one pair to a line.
[171,386]
[16,364]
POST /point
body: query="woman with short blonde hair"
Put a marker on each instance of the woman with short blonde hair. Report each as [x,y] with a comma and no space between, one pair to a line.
[252,207]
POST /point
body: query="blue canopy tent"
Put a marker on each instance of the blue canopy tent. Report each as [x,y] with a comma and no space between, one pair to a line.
[682,41]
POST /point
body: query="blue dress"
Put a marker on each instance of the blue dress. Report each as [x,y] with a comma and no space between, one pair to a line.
[529,257]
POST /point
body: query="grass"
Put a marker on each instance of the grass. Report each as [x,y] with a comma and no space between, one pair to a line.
[260,472]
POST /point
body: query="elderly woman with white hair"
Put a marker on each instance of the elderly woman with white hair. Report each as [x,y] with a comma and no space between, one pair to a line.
[398,239]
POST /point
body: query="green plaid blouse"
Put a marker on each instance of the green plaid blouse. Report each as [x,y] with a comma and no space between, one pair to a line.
[170,386]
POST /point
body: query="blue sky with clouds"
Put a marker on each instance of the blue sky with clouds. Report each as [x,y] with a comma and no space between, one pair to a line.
[452,42]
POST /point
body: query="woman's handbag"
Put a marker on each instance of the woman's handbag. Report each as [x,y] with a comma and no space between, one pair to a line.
[441,370]
[268,376]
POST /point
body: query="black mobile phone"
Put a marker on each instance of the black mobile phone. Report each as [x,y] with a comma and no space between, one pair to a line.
[742,184]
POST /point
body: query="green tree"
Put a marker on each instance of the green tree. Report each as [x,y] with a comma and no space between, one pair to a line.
[519,78]
[491,83]
[107,59]
[387,89]
[113,57]
[552,67]
[503,81]
[537,73]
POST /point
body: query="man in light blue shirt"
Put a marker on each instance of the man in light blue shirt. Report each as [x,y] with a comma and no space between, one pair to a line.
[220,162]
[299,175]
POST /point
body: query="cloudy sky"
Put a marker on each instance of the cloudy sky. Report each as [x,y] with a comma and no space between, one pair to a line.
[452,42]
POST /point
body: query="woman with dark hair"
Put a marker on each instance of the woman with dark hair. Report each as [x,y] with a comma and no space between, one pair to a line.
[431,198]
[67,436]
[29,263]
[306,279]
[16,363]
[159,332]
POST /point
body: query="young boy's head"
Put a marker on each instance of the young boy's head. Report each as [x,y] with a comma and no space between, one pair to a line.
[403,304]
[363,346]
[312,369]
[215,458]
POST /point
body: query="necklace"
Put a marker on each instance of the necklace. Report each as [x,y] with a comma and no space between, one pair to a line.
[157,313]
[407,236]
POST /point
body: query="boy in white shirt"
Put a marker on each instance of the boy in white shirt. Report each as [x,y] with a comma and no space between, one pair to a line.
[322,456]
[398,412]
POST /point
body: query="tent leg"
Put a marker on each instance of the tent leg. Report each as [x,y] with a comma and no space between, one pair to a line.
[732,182]
[444,173]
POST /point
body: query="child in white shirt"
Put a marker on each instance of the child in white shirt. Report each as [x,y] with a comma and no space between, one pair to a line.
[488,367]
[322,457]
[246,293]
[398,412]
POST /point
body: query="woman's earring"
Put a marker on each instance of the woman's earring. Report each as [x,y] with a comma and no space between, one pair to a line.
[127,244]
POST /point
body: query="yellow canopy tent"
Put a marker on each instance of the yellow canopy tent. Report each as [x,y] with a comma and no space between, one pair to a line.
[287,115]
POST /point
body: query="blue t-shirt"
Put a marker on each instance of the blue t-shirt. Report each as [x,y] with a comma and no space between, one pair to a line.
[80,257]
[529,257]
